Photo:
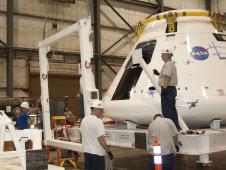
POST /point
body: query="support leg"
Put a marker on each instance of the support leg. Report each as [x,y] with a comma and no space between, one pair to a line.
[204,160]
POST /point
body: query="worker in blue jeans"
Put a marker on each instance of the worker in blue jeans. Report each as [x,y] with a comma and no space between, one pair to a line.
[167,162]
[168,82]
[93,138]
[167,136]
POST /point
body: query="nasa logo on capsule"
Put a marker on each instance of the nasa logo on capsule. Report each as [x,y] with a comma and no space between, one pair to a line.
[199,53]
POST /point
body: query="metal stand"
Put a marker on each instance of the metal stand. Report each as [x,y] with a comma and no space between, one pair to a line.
[90,93]
[204,160]
[4,123]
[215,124]
[130,125]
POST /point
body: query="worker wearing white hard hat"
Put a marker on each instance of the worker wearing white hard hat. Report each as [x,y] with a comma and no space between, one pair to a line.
[93,140]
[23,121]
[25,105]
[167,51]
[168,82]
[97,104]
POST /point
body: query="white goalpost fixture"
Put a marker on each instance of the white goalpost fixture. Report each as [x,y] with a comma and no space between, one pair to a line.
[89,90]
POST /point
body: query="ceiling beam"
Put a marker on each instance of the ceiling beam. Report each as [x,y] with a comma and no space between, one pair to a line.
[208,5]
[143,4]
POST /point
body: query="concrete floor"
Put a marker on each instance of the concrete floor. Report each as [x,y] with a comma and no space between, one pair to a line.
[134,159]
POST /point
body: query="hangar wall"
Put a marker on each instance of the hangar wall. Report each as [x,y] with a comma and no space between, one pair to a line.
[28,31]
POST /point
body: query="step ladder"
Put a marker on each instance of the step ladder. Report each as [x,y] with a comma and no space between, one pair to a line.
[60,131]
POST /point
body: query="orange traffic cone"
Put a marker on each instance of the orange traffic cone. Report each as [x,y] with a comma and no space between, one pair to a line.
[157,154]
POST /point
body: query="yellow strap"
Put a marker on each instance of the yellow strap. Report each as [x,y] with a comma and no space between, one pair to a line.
[58,118]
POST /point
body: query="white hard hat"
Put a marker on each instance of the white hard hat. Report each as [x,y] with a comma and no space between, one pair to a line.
[167,51]
[25,105]
[97,104]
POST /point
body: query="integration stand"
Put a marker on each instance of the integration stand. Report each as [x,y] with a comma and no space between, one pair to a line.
[204,159]
[83,27]
[5,122]
[130,125]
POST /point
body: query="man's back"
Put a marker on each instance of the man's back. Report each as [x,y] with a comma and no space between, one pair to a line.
[165,129]
[92,128]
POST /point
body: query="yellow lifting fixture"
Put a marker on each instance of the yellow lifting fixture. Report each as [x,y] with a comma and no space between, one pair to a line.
[217,20]
[139,29]
[171,20]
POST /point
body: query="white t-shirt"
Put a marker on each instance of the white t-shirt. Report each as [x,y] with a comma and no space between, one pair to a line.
[165,129]
[92,128]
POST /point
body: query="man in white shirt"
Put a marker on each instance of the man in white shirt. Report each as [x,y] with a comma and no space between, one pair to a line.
[167,135]
[93,140]
[168,82]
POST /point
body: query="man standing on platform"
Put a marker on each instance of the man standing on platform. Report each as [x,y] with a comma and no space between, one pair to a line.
[168,82]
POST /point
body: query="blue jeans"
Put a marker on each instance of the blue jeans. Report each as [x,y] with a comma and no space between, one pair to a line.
[94,162]
[167,162]
[168,103]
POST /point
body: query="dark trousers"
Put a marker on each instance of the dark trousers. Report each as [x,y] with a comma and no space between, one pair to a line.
[167,162]
[168,103]
[94,162]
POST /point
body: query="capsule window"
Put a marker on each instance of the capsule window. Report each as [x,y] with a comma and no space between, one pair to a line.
[220,37]
[147,50]
[131,75]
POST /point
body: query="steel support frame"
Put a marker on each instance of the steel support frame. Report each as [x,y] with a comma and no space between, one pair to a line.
[208,5]
[3,43]
[143,4]
[161,5]
[33,51]
[109,66]
[125,35]
[116,42]
[56,19]
[117,13]
[97,46]
[10,54]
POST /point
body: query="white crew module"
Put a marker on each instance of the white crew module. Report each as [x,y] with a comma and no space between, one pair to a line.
[199,52]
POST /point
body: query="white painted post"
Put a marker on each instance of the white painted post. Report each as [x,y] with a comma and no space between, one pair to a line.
[2,137]
[45,91]
[86,72]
